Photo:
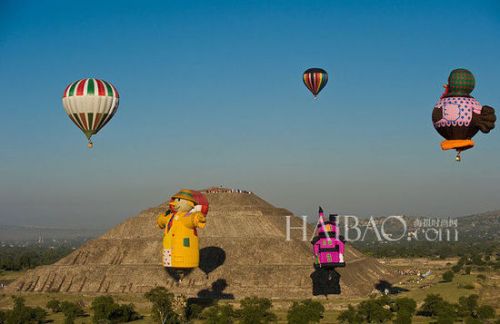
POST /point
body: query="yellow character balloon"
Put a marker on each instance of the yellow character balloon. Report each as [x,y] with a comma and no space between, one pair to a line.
[180,222]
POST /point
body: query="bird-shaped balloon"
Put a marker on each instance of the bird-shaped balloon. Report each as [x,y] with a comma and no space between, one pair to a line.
[458,116]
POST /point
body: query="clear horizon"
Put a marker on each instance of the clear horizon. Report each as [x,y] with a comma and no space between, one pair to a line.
[211,93]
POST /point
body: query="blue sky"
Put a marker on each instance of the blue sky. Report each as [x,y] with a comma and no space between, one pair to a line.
[211,93]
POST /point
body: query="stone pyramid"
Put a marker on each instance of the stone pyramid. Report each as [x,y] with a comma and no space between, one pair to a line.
[244,252]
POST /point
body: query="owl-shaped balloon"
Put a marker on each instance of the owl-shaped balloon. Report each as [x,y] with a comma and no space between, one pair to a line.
[458,116]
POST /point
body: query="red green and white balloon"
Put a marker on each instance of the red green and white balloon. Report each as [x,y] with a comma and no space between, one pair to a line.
[90,104]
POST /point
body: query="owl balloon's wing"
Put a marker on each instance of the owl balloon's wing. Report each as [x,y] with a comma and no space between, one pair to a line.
[437,114]
[486,120]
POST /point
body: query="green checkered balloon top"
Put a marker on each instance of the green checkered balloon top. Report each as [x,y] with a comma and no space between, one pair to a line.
[461,82]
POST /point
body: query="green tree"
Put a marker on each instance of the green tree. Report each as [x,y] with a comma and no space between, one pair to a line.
[374,311]
[404,308]
[3,317]
[71,311]
[54,305]
[436,306]
[193,311]
[485,312]
[456,268]
[445,313]
[467,306]
[477,260]
[219,314]
[124,313]
[403,317]
[105,309]
[102,307]
[23,314]
[472,320]
[448,276]
[404,303]
[350,315]
[255,310]
[431,305]
[305,311]
[162,310]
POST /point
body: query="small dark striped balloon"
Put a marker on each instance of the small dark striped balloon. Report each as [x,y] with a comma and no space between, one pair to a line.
[315,79]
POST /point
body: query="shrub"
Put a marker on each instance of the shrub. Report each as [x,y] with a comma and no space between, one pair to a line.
[404,308]
[472,320]
[448,276]
[255,310]
[404,304]
[467,286]
[476,259]
[481,277]
[350,315]
[468,270]
[485,312]
[102,307]
[71,311]
[219,314]
[446,313]
[24,314]
[456,268]
[193,311]
[54,305]
[124,313]
[105,309]
[431,305]
[306,311]
[373,310]
[467,305]
[162,310]
[403,317]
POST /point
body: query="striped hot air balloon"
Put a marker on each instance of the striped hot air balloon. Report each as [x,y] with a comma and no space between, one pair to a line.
[315,79]
[90,104]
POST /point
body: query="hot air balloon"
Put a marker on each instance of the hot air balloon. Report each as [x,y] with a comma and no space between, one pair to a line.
[458,116]
[90,104]
[328,249]
[186,214]
[315,79]
[328,246]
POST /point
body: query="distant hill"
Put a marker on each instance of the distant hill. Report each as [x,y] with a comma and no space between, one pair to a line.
[30,234]
[477,234]
[483,226]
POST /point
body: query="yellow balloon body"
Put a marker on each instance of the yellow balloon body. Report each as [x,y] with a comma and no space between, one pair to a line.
[180,239]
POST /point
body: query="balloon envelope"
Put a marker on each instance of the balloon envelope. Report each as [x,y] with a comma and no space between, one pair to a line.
[90,104]
[315,79]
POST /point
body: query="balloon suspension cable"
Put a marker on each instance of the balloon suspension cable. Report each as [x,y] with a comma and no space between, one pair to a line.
[90,144]
[458,158]
[315,97]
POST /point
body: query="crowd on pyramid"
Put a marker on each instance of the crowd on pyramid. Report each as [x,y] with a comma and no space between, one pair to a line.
[226,190]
